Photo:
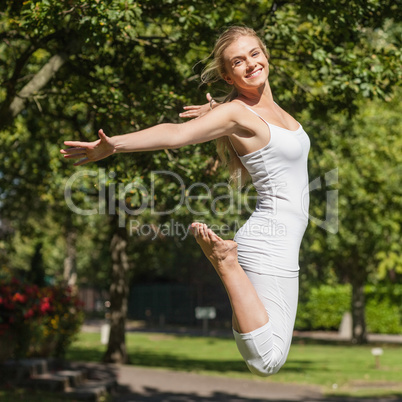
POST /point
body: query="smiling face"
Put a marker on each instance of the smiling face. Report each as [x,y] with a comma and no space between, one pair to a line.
[246,66]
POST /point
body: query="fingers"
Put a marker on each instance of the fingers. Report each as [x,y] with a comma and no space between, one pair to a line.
[73,153]
[79,150]
[82,162]
[191,107]
[189,114]
[72,150]
[209,97]
[102,135]
[75,156]
[191,111]
[77,144]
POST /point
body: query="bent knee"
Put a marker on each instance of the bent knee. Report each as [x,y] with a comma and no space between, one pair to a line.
[257,348]
[263,369]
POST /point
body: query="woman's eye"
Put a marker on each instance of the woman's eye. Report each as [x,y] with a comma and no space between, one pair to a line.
[256,54]
[237,62]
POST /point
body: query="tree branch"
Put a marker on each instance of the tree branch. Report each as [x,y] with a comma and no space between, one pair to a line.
[39,81]
[44,75]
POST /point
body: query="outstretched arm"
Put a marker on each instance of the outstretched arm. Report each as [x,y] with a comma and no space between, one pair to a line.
[218,123]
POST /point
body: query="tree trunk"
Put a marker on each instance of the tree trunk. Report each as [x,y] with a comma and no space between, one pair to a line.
[36,274]
[70,262]
[116,350]
[359,334]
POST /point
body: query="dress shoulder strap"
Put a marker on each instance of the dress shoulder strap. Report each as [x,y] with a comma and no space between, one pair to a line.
[251,110]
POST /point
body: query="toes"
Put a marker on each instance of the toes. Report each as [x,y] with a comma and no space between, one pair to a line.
[192,229]
[195,228]
[214,237]
[200,231]
[204,231]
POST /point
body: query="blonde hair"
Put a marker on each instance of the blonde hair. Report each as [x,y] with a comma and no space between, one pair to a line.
[215,71]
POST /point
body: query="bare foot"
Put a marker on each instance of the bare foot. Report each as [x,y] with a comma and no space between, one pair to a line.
[221,253]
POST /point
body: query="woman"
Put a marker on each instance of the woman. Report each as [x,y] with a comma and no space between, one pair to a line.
[260,268]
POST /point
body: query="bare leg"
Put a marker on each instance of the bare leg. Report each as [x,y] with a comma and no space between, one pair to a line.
[248,310]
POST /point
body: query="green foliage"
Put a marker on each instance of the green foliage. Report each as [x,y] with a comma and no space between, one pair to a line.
[384,308]
[324,308]
[365,149]
[326,305]
[383,317]
[128,65]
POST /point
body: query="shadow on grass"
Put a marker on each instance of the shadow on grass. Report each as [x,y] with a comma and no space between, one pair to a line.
[174,362]
[153,394]
[87,355]
[149,359]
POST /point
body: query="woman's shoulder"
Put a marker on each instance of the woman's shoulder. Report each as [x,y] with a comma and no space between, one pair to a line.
[242,119]
[233,108]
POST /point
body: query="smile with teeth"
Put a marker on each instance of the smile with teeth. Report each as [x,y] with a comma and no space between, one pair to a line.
[254,73]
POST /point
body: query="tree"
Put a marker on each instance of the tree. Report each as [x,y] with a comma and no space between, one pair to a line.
[73,68]
[366,150]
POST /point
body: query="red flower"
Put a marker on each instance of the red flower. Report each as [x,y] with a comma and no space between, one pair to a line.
[19,298]
[44,307]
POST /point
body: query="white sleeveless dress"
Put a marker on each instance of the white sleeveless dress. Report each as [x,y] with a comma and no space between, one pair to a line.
[269,243]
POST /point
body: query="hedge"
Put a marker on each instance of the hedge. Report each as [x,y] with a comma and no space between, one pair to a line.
[324,307]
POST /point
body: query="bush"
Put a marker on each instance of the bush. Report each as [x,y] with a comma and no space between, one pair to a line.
[42,321]
[325,306]
[383,318]
[384,309]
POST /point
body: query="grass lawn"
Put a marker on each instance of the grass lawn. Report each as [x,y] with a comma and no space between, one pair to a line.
[338,369]
[29,395]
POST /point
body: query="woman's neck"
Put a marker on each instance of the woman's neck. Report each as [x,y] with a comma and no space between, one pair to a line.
[263,96]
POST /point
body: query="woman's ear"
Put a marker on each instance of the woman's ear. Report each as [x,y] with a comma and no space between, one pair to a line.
[228,79]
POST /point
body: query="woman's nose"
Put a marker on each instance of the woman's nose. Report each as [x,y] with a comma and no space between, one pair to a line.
[250,62]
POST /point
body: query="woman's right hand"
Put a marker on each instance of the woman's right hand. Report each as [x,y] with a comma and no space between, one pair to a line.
[89,151]
[196,111]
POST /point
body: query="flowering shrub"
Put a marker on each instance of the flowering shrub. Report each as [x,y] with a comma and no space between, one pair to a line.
[43,321]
